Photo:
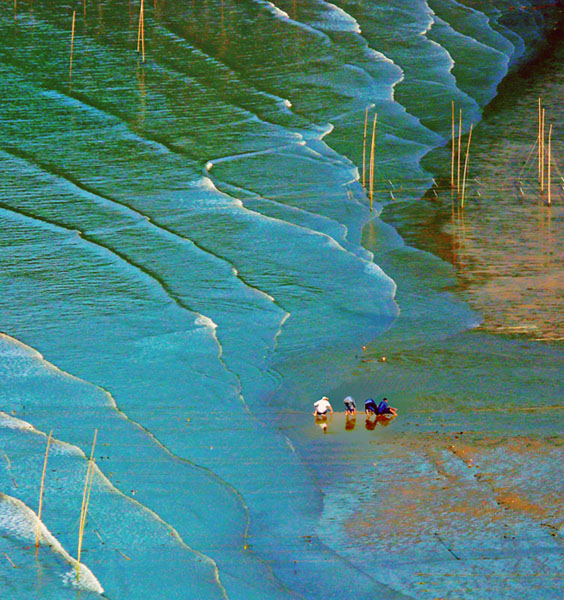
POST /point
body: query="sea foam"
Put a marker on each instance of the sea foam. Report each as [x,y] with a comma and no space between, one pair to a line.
[19,521]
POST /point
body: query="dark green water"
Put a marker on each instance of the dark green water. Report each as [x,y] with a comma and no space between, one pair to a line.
[188,260]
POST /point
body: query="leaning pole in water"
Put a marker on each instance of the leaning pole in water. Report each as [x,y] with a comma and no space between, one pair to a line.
[466,167]
[372,162]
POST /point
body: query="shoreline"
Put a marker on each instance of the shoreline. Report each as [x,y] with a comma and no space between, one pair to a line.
[479,432]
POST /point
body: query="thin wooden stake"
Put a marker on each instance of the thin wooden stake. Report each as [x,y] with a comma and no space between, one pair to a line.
[542,149]
[466,167]
[141,33]
[124,556]
[72,43]
[549,199]
[41,492]
[10,560]
[140,27]
[459,147]
[453,150]
[9,465]
[539,139]
[143,29]
[372,162]
[85,499]
[364,150]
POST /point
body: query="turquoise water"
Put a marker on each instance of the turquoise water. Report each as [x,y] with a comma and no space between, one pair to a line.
[189,260]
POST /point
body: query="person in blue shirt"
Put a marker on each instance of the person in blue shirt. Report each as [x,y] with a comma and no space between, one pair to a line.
[370,407]
[385,409]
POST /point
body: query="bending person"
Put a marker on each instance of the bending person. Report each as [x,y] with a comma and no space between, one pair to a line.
[350,406]
[322,407]
[370,407]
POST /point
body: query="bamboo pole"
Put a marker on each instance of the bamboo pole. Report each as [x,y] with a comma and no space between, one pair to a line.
[364,150]
[453,150]
[539,139]
[9,465]
[141,31]
[10,560]
[372,162]
[549,198]
[466,167]
[41,492]
[459,147]
[72,43]
[85,500]
[542,149]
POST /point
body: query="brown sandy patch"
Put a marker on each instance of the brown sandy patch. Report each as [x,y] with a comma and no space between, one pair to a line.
[459,486]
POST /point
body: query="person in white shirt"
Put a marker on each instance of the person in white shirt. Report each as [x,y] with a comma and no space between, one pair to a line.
[322,407]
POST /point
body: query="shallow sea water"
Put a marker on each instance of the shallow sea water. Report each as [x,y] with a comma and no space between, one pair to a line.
[189,260]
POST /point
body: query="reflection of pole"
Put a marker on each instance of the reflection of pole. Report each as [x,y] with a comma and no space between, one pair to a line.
[372,162]
[364,150]
[549,199]
[466,167]
[72,43]
[453,151]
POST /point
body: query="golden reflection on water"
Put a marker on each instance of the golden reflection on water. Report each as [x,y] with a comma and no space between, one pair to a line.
[510,262]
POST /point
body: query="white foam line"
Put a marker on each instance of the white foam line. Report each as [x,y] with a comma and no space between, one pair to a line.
[138,217]
[22,522]
[283,16]
[379,55]
[138,272]
[353,24]
[215,161]
[9,422]
[375,269]
[207,182]
[112,404]
[206,322]
[430,22]
[283,103]
[57,446]
[487,21]
[326,130]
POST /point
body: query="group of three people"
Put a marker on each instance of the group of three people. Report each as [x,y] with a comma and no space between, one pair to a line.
[323,407]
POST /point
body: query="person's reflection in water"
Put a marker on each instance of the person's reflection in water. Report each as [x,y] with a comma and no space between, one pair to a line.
[370,424]
[350,422]
[321,421]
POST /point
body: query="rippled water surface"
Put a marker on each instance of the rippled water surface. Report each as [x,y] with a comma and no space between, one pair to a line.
[188,260]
